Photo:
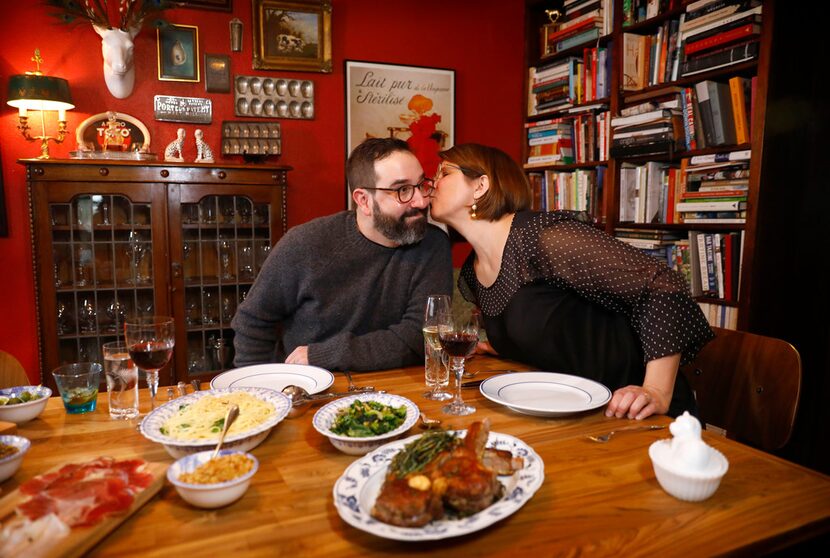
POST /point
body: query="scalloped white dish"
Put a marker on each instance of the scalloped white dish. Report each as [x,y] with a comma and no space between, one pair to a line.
[276,376]
[325,416]
[356,490]
[243,441]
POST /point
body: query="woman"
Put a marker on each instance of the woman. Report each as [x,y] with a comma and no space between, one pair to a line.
[563,296]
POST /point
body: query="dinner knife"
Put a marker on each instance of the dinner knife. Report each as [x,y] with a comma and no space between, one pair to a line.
[473,384]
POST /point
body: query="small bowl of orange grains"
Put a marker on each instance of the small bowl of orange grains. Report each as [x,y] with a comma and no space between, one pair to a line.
[207,482]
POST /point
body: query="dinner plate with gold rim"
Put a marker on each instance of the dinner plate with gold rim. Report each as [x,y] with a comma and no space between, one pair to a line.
[276,376]
[545,394]
[357,489]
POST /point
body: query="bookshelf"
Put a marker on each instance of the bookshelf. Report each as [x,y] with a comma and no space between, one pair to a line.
[661,84]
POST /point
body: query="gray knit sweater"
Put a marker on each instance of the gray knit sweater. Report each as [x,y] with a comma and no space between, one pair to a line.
[356,304]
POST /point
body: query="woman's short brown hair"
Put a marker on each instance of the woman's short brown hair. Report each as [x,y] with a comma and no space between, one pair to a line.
[509,189]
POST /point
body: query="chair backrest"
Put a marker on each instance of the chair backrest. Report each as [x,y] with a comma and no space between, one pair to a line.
[748,385]
[11,371]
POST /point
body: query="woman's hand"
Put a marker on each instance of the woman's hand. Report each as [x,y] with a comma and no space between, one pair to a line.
[653,397]
[638,402]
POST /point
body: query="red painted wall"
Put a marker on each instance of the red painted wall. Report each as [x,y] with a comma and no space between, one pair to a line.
[482,40]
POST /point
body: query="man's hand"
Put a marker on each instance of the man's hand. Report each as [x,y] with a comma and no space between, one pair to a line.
[298,355]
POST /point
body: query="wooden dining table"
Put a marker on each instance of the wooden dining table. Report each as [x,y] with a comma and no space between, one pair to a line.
[596,499]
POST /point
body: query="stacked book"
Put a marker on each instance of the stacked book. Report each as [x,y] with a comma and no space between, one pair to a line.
[635,11]
[655,132]
[550,142]
[584,21]
[714,188]
[660,244]
[554,86]
[719,33]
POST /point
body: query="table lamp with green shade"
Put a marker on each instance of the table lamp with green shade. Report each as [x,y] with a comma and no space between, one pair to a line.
[35,91]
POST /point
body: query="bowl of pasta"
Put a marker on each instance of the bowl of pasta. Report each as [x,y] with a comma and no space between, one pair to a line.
[193,423]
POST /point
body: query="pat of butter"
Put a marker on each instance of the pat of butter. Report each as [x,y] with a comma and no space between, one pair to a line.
[419,482]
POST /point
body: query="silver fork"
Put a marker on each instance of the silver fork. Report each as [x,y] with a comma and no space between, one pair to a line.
[605,437]
[353,387]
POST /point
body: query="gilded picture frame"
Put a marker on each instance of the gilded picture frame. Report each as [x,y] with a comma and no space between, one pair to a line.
[293,35]
[178,53]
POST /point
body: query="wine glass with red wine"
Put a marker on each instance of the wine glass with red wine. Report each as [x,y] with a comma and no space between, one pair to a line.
[459,337]
[150,342]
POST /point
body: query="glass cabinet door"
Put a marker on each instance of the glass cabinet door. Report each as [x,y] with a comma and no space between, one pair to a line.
[224,242]
[102,268]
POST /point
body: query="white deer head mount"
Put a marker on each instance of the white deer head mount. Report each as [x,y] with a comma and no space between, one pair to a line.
[116,42]
[119,70]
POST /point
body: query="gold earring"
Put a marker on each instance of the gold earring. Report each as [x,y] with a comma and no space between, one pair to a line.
[473,209]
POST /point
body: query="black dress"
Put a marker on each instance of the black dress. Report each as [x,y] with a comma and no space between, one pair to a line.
[570,298]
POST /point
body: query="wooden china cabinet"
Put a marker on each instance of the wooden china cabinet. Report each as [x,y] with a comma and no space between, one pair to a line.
[113,239]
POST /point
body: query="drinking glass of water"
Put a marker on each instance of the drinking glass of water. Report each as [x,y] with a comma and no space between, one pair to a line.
[436,373]
[122,381]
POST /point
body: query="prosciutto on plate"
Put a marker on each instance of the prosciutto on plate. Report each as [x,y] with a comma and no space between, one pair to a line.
[81,494]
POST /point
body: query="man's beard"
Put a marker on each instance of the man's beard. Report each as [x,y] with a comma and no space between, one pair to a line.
[398,230]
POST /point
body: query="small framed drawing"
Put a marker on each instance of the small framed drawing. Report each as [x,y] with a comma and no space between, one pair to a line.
[293,35]
[412,103]
[223,5]
[217,73]
[178,53]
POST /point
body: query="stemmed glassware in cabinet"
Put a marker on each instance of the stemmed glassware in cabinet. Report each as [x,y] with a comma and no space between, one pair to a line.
[459,336]
[136,250]
[436,312]
[150,342]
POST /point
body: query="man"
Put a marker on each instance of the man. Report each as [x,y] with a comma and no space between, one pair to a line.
[347,291]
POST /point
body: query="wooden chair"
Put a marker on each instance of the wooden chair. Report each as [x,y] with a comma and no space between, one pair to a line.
[11,371]
[747,385]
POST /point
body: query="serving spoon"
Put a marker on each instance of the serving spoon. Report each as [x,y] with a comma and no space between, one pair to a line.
[301,399]
[233,412]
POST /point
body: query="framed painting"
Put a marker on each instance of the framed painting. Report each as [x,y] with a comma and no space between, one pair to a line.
[178,53]
[413,103]
[217,73]
[223,5]
[292,35]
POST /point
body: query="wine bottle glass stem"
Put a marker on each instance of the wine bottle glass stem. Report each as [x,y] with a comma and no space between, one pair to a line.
[153,384]
[457,364]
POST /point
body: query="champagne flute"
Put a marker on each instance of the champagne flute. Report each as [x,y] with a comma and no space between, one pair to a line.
[459,337]
[150,342]
[437,311]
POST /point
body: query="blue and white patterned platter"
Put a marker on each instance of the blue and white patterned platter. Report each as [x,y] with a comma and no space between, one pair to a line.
[356,490]
[325,416]
[243,441]
[276,376]
[545,394]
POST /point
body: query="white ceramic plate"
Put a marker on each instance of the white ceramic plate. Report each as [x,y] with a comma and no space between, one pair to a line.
[276,376]
[356,490]
[545,394]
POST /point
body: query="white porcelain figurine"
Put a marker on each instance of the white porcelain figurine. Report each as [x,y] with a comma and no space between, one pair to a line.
[204,154]
[173,151]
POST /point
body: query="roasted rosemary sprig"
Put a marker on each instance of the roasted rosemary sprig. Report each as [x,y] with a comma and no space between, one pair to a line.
[416,455]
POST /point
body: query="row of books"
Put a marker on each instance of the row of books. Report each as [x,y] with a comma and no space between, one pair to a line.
[580,138]
[718,315]
[635,11]
[582,21]
[717,113]
[696,42]
[710,262]
[577,190]
[569,81]
[703,189]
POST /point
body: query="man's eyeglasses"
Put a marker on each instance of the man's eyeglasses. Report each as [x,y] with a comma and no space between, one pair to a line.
[406,192]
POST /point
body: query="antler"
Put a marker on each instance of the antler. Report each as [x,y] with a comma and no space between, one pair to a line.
[131,13]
